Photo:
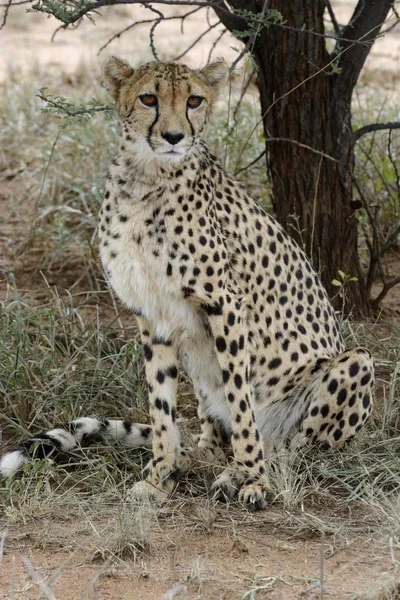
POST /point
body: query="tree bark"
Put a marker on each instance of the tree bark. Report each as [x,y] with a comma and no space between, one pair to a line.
[306,100]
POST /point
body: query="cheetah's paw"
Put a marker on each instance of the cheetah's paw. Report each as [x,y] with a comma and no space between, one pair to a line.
[158,486]
[144,491]
[230,483]
[254,495]
[211,455]
[185,462]
[226,486]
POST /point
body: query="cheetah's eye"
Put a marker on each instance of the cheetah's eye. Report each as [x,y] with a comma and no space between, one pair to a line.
[148,99]
[194,101]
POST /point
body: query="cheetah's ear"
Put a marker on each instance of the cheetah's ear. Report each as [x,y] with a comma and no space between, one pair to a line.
[115,71]
[216,75]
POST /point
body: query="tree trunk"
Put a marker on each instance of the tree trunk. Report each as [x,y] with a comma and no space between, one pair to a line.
[306,108]
[311,192]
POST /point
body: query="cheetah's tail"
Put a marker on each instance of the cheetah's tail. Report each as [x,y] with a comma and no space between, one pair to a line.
[65,438]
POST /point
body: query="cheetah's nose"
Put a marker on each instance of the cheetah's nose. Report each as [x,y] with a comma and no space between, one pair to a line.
[172,138]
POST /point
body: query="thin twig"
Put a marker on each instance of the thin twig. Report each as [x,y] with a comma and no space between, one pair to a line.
[377,169]
[315,204]
[196,41]
[5,4]
[76,111]
[290,141]
[374,247]
[144,21]
[176,589]
[252,163]
[85,8]
[208,16]
[332,16]
[218,5]
[293,89]
[394,162]
[373,127]
[128,28]
[215,43]
[46,591]
[185,16]
[387,286]
[377,251]
[5,14]
[397,21]
[64,26]
[30,233]
[153,27]
[2,542]
[245,50]
[390,240]
[243,91]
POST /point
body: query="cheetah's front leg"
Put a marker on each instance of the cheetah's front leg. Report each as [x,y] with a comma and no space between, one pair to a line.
[229,332]
[161,365]
[211,438]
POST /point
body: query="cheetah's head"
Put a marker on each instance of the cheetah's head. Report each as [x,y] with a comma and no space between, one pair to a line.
[163,106]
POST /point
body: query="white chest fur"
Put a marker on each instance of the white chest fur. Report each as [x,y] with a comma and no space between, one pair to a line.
[136,265]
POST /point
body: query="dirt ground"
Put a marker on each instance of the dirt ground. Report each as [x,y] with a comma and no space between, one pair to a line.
[246,559]
[212,565]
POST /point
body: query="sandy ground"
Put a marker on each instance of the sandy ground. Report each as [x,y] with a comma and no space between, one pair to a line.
[213,564]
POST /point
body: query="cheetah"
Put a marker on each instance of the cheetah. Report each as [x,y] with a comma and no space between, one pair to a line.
[220,290]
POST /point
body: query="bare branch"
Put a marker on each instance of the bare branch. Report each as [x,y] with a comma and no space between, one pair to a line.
[74,112]
[2,541]
[377,250]
[38,579]
[251,164]
[118,35]
[93,5]
[374,251]
[204,33]
[215,43]
[243,91]
[144,21]
[232,21]
[16,3]
[376,168]
[157,21]
[396,22]
[302,30]
[365,25]
[246,48]
[287,140]
[64,27]
[387,286]
[390,240]
[5,14]
[374,127]
[394,162]
[332,16]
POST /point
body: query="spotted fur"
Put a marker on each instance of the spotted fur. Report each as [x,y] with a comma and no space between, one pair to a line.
[219,289]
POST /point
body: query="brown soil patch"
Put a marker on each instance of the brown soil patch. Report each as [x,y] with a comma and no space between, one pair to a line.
[220,564]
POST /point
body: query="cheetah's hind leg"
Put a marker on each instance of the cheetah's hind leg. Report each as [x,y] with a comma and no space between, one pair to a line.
[340,402]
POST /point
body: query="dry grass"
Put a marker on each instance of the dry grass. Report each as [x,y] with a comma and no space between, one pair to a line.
[68,350]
